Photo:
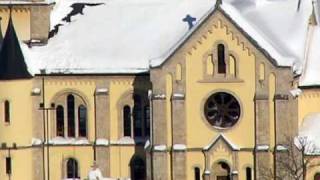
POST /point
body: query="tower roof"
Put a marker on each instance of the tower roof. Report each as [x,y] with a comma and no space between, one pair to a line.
[12,63]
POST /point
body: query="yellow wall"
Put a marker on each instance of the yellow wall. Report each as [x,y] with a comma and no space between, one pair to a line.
[21,21]
[19,130]
[308,103]
[21,164]
[197,93]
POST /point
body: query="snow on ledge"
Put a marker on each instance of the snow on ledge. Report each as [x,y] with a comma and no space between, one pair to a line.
[36,141]
[102,91]
[262,147]
[124,141]
[296,92]
[159,96]
[67,141]
[235,172]
[160,147]
[281,148]
[179,147]
[207,172]
[36,91]
[102,142]
[147,144]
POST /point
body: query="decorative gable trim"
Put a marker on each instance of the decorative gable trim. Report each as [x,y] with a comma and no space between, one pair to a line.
[188,36]
[225,140]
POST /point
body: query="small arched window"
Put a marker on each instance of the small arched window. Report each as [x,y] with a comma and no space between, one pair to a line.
[248,174]
[137,114]
[261,72]
[221,59]
[232,65]
[210,65]
[317,176]
[196,173]
[126,121]
[72,168]
[71,115]
[147,120]
[7,111]
[82,115]
[178,72]
[60,121]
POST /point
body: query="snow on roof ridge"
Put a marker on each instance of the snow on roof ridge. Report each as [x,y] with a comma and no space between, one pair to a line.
[236,16]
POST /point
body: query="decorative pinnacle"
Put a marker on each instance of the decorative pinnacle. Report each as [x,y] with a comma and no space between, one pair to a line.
[218,3]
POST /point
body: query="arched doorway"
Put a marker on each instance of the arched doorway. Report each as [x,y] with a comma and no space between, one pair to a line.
[221,171]
[138,168]
[317,176]
[72,169]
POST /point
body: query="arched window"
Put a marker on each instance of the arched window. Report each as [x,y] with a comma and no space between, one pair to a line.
[178,72]
[82,115]
[60,121]
[232,65]
[7,111]
[317,176]
[126,121]
[72,168]
[138,170]
[221,59]
[137,114]
[261,72]
[147,120]
[196,173]
[248,173]
[71,116]
[210,65]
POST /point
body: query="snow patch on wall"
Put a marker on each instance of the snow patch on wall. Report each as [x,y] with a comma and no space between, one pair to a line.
[160,147]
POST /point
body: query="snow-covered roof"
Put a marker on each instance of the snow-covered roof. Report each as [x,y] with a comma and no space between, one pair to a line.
[120,36]
[129,36]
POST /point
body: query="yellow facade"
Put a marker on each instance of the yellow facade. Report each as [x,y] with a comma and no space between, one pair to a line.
[249,76]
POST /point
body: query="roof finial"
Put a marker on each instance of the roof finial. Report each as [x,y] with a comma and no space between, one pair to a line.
[313,18]
[10,9]
[218,3]
[299,4]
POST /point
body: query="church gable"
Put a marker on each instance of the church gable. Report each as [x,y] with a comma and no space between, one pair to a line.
[218,18]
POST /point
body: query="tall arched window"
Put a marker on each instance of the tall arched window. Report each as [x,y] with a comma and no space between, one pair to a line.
[126,121]
[82,115]
[248,173]
[137,114]
[7,111]
[147,120]
[71,116]
[60,121]
[196,173]
[72,168]
[221,59]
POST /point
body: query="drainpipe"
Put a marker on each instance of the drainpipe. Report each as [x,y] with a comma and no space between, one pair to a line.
[171,149]
[95,127]
[44,132]
[151,131]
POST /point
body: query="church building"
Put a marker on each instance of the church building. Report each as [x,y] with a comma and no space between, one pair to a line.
[160,89]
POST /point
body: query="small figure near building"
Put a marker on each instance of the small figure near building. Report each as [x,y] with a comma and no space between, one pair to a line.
[95,173]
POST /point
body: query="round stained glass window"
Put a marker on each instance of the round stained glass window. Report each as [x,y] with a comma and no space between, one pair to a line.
[222,110]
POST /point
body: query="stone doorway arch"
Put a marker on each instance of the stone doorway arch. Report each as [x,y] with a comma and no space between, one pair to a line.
[221,171]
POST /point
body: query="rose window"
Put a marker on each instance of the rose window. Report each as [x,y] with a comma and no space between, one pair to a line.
[222,110]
